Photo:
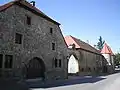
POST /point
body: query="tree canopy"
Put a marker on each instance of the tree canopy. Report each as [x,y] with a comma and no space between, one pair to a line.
[100,43]
[117,59]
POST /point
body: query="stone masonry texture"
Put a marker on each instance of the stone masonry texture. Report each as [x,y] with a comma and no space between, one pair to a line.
[36,41]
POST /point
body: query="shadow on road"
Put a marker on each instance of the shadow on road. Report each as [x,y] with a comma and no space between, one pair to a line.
[10,84]
[67,82]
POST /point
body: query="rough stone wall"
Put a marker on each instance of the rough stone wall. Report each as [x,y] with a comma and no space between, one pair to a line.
[88,60]
[92,61]
[36,42]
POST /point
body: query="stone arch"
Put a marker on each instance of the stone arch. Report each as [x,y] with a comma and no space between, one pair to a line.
[73,65]
[35,68]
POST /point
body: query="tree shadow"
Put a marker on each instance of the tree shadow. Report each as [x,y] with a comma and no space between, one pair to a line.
[67,82]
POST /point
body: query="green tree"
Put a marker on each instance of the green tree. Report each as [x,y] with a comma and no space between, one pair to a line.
[117,59]
[100,43]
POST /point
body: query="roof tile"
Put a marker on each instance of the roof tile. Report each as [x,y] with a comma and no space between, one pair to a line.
[80,44]
[106,50]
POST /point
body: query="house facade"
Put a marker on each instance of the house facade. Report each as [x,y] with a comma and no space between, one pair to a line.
[31,43]
[109,56]
[83,58]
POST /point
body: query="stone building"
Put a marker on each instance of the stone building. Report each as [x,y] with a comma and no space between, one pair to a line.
[83,58]
[31,43]
[109,56]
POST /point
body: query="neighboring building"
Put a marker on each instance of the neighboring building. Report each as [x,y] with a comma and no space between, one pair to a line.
[31,43]
[109,56]
[83,58]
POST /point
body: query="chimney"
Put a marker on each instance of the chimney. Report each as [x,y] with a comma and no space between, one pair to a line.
[95,46]
[33,3]
[87,41]
[20,0]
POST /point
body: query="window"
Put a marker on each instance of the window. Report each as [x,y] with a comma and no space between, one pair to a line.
[53,46]
[82,69]
[59,62]
[28,20]
[8,61]
[89,69]
[1,35]
[18,38]
[51,30]
[1,60]
[55,62]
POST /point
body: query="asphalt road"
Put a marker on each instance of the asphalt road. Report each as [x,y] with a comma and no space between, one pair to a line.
[110,82]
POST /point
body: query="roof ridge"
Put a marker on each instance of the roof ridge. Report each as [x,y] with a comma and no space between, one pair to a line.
[84,42]
[80,41]
[29,6]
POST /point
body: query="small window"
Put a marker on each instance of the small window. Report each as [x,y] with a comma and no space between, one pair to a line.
[82,69]
[89,69]
[8,61]
[28,20]
[51,30]
[59,62]
[53,46]
[1,60]
[1,35]
[18,38]
[55,62]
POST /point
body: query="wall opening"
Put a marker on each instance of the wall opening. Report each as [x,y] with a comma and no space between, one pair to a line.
[35,68]
[73,65]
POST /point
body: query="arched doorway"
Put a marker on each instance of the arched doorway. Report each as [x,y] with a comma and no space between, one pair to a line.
[73,65]
[35,68]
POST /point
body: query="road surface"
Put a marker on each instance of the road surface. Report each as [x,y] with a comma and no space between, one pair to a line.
[110,82]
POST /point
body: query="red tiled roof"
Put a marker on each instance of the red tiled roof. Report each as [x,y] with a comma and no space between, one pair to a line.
[106,50]
[5,6]
[70,40]
[80,44]
[27,5]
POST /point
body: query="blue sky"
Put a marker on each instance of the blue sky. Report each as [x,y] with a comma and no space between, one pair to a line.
[85,19]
